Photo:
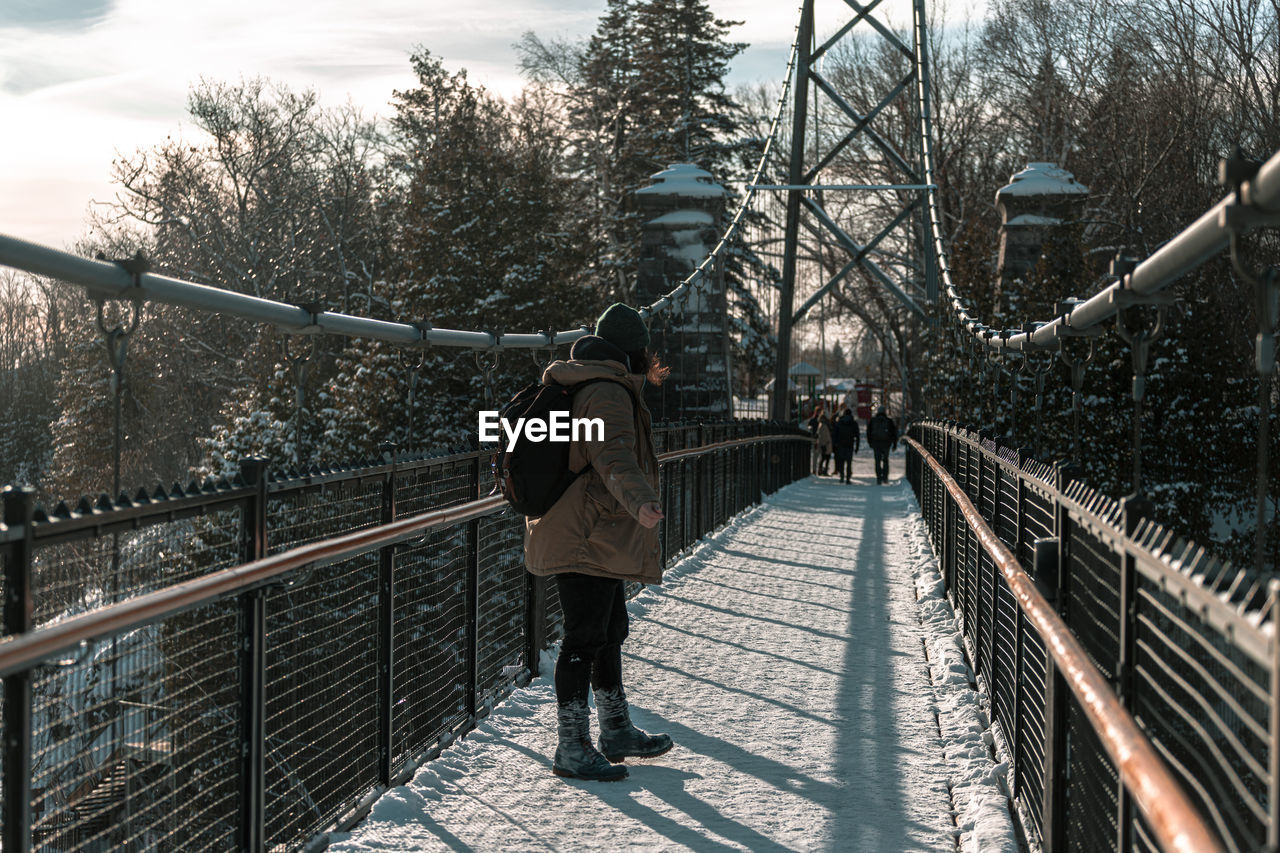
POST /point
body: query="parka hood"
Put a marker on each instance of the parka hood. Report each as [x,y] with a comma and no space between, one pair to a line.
[593,358]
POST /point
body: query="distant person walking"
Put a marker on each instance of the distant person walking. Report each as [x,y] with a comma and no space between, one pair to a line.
[820,427]
[845,437]
[882,434]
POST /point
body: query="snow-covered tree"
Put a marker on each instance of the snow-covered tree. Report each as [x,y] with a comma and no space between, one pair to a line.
[486,237]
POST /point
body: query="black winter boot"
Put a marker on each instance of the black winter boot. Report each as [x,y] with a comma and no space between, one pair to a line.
[575,757]
[619,739]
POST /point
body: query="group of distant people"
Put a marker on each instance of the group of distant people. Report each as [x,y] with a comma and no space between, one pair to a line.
[840,436]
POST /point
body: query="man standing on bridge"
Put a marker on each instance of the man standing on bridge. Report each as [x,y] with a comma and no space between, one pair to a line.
[882,433]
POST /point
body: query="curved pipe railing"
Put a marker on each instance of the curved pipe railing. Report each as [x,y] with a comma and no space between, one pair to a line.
[1189,249]
[1159,797]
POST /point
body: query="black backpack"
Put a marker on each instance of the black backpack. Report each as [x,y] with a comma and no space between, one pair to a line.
[532,476]
[880,429]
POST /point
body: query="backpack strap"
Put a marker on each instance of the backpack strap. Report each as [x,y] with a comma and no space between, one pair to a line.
[635,406]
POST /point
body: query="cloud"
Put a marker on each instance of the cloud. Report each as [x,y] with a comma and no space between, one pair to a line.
[85,79]
[59,15]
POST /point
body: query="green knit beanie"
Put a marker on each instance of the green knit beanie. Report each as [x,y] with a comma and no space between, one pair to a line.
[622,326]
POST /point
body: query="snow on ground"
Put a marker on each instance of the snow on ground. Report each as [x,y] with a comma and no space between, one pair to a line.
[787,658]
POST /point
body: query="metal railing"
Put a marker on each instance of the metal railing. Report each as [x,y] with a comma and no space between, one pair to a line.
[1185,643]
[250,664]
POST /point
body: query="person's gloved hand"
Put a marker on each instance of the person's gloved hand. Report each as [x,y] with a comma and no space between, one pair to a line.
[650,514]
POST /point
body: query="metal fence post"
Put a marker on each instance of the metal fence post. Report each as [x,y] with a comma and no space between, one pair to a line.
[535,622]
[1133,509]
[699,486]
[473,617]
[758,464]
[976,579]
[948,509]
[19,509]
[1052,821]
[1019,627]
[253,667]
[387,626]
[993,659]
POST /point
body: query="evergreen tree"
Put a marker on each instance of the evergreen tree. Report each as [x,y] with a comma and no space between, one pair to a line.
[486,237]
[608,152]
[682,58]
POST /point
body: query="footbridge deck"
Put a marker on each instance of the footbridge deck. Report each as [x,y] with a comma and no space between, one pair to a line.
[817,703]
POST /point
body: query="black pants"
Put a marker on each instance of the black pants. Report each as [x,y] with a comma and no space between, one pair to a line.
[844,465]
[595,624]
[882,463]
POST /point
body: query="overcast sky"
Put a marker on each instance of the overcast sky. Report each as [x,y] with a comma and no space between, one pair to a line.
[81,80]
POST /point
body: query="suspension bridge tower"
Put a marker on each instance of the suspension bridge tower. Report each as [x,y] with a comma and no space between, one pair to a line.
[683,211]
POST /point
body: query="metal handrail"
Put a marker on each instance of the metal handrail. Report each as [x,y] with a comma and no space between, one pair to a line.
[22,651]
[1160,799]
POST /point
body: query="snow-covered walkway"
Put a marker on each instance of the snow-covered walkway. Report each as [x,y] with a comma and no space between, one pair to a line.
[787,658]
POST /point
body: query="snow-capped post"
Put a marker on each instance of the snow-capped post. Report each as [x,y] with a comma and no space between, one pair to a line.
[1034,207]
[684,209]
[19,511]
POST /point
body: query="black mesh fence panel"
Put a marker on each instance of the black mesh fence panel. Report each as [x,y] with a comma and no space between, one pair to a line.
[430,646]
[1093,590]
[322,688]
[1037,522]
[76,576]
[300,516]
[1003,680]
[502,602]
[423,487]
[135,742]
[1031,728]
[1092,788]
[984,610]
[1207,707]
[1007,521]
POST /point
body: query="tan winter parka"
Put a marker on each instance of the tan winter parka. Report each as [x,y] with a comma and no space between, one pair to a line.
[593,529]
